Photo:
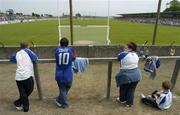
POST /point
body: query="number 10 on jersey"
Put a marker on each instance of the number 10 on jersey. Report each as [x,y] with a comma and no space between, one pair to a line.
[63,58]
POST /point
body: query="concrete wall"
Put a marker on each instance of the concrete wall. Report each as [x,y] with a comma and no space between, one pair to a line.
[91,51]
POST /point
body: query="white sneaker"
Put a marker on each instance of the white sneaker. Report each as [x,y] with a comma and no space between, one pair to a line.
[118,100]
[19,108]
[129,105]
[143,96]
[58,104]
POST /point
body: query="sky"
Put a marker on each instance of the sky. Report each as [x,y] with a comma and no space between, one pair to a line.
[84,7]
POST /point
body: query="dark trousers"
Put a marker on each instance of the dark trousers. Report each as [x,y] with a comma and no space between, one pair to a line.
[25,88]
[150,101]
[127,92]
[63,91]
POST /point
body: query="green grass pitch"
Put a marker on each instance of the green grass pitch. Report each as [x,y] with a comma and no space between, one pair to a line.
[46,32]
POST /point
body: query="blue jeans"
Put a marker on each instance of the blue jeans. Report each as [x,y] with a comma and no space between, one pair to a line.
[127,92]
[63,91]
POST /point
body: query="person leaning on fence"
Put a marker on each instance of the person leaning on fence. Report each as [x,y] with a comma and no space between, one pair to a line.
[159,99]
[24,75]
[63,75]
[129,74]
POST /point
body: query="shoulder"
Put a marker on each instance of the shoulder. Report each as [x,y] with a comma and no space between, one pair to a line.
[70,48]
[122,55]
[20,52]
[57,48]
[31,54]
[168,92]
[133,54]
[27,50]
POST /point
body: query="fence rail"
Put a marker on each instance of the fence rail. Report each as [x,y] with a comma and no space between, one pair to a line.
[95,59]
[109,73]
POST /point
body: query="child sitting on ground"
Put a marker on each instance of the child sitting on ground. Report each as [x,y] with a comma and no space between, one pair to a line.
[159,99]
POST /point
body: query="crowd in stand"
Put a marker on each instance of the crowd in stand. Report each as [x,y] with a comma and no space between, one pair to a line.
[6,19]
[163,21]
[3,17]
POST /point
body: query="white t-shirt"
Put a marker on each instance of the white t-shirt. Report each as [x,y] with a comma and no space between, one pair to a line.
[24,66]
[129,60]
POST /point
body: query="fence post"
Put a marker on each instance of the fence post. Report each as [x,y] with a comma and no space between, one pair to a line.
[175,74]
[109,79]
[38,83]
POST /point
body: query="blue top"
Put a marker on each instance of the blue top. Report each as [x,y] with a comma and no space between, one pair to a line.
[64,57]
[31,54]
[128,76]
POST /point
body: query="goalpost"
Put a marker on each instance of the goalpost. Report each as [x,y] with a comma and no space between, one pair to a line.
[88,34]
[108,19]
[59,23]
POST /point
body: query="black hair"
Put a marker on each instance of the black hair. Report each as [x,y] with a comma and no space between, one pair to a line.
[64,42]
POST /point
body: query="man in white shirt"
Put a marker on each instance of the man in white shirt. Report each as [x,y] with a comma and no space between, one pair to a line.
[24,75]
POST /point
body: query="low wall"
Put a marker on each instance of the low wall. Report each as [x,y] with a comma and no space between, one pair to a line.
[91,51]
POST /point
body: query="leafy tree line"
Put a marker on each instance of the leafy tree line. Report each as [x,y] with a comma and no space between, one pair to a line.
[174,5]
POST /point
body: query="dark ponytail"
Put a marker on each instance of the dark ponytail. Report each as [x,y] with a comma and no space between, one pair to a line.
[132,46]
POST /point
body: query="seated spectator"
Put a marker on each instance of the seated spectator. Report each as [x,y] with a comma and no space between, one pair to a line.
[159,99]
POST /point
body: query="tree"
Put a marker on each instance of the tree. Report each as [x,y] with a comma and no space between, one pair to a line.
[48,15]
[174,5]
[35,15]
[19,14]
[78,15]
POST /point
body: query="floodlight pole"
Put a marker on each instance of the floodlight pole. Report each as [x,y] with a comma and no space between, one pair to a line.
[156,24]
[71,20]
[59,23]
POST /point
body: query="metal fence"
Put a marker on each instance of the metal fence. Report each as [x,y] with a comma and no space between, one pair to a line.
[109,72]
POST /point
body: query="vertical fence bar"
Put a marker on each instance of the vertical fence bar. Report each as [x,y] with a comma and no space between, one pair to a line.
[38,83]
[71,20]
[156,24]
[109,79]
[175,74]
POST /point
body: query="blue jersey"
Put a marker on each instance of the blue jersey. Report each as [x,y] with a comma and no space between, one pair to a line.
[64,57]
